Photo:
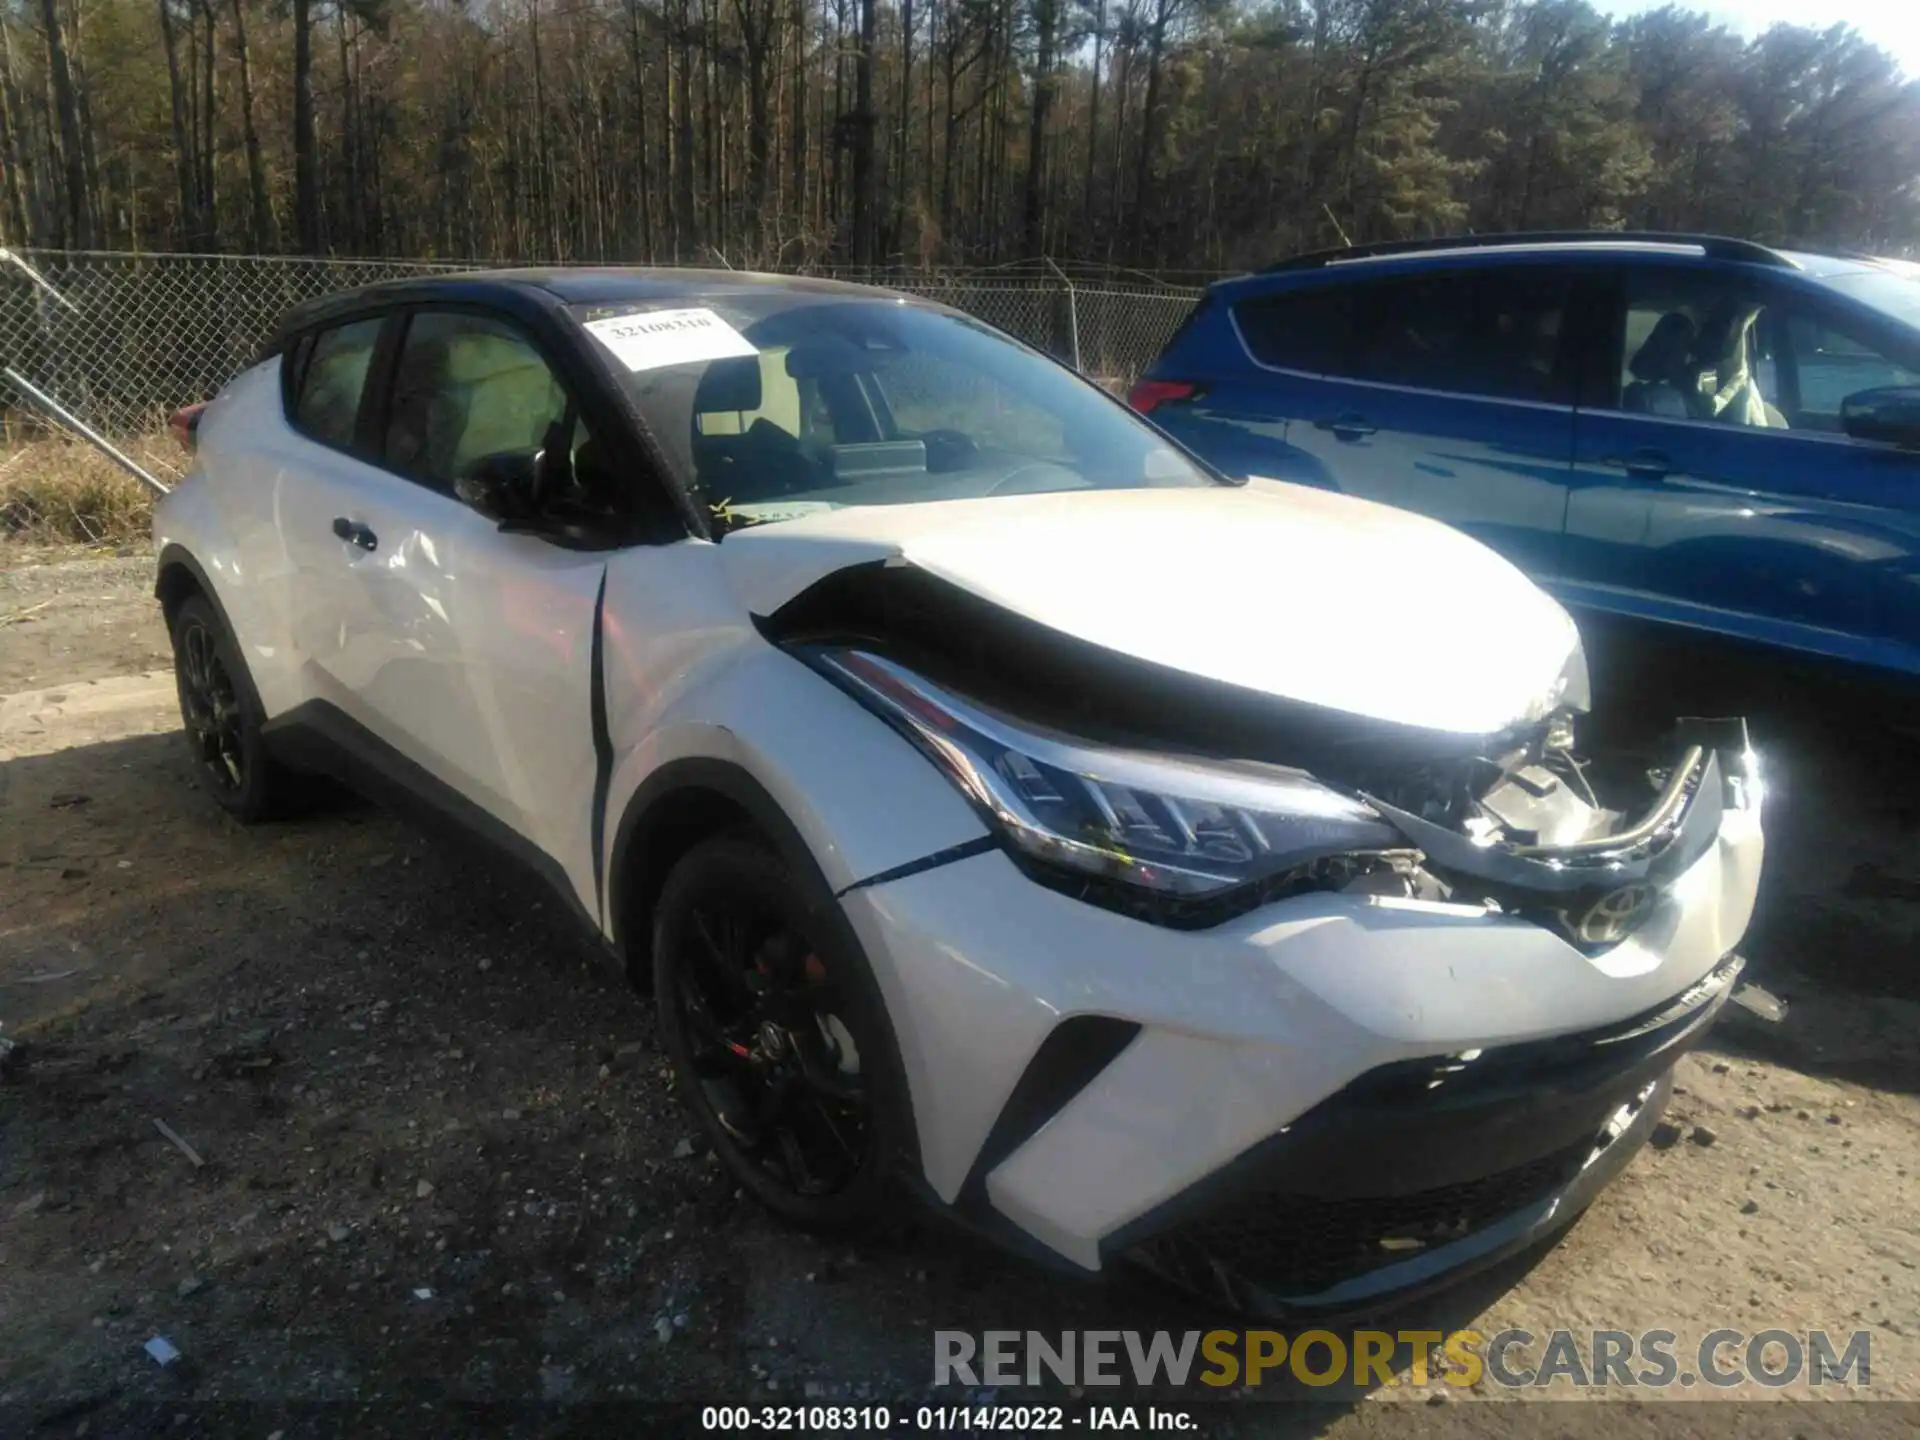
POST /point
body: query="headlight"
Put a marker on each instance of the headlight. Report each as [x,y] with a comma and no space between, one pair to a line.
[1177,828]
[1571,691]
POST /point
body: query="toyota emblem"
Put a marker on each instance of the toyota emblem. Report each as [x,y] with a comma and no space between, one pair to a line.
[1615,915]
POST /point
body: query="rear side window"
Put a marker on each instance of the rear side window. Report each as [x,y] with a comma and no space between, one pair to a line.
[333,377]
[1298,330]
[1487,332]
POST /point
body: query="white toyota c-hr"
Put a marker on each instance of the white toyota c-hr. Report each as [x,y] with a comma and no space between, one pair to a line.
[1136,864]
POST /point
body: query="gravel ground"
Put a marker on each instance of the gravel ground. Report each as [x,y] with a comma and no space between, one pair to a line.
[437,1160]
[66,615]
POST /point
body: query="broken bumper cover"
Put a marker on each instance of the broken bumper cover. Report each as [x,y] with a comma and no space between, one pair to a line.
[1216,1046]
[1422,1172]
[1595,891]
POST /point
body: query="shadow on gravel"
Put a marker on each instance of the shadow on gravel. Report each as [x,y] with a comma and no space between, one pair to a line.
[1837,926]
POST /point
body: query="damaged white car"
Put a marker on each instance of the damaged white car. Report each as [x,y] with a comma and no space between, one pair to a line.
[1138,866]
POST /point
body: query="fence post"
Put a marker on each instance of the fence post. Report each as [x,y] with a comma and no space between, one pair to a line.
[1073,311]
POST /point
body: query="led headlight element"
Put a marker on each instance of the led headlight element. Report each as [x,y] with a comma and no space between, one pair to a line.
[1178,827]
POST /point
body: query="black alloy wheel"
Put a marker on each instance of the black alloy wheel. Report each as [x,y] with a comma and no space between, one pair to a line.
[220,712]
[210,706]
[772,1034]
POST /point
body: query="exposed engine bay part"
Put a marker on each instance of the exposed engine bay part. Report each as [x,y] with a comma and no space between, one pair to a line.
[1539,841]
[1630,853]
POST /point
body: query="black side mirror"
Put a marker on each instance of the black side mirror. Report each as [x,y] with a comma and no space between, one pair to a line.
[503,486]
[1890,416]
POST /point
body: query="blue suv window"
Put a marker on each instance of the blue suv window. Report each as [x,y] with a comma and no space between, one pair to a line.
[1699,345]
[1832,361]
[1296,330]
[1494,332]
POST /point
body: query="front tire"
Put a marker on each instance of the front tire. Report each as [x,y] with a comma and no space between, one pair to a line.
[777,1034]
[222,716]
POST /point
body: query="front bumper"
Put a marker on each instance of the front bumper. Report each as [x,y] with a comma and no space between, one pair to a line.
[1079,1079]
[1419,1173]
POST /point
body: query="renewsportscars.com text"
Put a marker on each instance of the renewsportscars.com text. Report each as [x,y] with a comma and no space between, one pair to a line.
[1511,1359]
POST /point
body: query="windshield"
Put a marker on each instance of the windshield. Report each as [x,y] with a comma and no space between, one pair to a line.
[798,402]
[1894,291]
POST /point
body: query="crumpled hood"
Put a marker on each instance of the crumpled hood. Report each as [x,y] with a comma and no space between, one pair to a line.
[1300,593]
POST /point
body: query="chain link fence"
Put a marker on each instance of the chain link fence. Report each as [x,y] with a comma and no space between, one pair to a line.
[123,340]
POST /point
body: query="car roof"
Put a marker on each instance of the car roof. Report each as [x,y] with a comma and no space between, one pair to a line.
[617,284]
[1476,251]
[569,285]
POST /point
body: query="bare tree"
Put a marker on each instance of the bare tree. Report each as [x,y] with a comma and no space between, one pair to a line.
[72,153]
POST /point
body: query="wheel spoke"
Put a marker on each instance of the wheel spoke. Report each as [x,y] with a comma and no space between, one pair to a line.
[718,1043]
[755,1007]
[774,1103]
[793,1157]
[720,935]
[833,1128]
[197,658]
[210,708]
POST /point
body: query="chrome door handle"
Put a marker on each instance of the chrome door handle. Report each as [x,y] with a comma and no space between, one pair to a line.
[1648,463]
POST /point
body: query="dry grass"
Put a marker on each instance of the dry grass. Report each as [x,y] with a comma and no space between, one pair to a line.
[56,491]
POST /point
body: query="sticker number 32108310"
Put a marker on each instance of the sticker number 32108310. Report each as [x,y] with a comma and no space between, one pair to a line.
[651,339]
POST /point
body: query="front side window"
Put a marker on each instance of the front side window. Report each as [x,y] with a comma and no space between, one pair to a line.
[1832,359]
[1702,345]
[327,407]
[1698,345]
[821,402]
[467,387]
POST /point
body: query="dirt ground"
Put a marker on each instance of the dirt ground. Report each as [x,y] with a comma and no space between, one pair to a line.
[439,1182]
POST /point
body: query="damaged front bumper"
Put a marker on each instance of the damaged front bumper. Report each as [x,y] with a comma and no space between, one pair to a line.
[1594,875]
[1242,1121]
[1421,1172]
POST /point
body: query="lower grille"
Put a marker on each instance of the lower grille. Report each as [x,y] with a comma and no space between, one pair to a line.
[1296,1245]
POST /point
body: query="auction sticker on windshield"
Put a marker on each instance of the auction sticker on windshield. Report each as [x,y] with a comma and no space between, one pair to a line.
[652,339]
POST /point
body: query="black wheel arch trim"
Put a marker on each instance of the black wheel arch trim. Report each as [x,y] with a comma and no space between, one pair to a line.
[732,783]
[175,556]
[735,785]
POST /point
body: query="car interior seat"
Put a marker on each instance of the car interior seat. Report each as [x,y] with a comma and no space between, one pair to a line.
[1658,368]
[1726,348]
[757,460]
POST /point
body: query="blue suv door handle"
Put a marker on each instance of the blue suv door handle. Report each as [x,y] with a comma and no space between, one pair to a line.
[1646,463]
[1347,425]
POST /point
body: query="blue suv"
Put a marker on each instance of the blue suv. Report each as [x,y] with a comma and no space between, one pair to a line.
[1684,429]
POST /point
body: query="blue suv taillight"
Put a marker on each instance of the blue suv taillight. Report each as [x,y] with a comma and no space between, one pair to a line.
[1149,395]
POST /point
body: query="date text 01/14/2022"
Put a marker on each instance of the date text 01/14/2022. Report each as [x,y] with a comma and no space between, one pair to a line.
[941,1419]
